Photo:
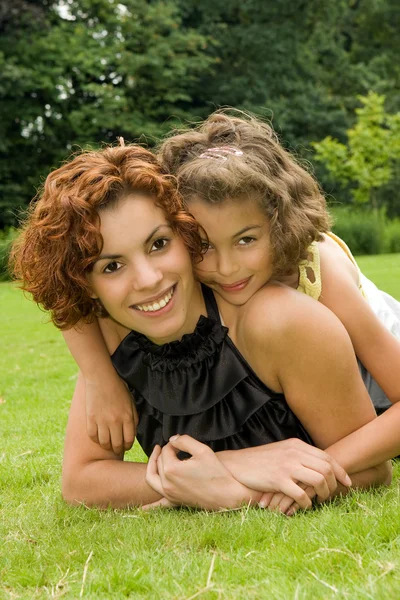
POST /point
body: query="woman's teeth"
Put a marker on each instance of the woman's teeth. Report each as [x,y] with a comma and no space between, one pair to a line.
[156,305]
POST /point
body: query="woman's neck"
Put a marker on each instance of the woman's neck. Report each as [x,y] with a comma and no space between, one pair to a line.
[192,306]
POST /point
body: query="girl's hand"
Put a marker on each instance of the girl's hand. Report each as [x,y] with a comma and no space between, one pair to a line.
[111,416]
[285,504]
[200,481]
[279,467]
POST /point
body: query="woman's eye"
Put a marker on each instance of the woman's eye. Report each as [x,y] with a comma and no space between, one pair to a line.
[205,246]
[245,241]
[159,244]
[112,267]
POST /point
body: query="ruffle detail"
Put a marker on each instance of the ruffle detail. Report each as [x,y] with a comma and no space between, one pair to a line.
[179,385]
[230,424]
[193,348]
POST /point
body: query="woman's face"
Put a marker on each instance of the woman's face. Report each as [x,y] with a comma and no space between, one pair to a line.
[143,276]
[238,259]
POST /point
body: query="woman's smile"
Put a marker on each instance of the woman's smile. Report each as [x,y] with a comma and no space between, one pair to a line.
[144,275]
[162,304]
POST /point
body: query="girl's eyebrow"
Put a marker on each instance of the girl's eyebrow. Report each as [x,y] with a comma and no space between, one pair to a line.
[246,229]
[116,256]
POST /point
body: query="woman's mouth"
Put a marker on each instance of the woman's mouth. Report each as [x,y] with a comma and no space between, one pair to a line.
[158,306]
[235,287]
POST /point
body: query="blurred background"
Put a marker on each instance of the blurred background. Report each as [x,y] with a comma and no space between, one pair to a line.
[326,74]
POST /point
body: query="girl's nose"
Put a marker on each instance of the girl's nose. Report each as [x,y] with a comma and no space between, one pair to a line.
[226,265]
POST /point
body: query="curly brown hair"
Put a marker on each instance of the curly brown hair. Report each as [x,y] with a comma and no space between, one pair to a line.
[251,163]
[60,239]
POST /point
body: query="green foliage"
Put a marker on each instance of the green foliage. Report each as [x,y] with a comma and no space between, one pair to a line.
[391,236]
[372,150]
[102,68]
[366,232]
[7,236]
[360,230]
[107,69]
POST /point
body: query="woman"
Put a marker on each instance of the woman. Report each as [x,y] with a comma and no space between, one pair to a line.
[112,226]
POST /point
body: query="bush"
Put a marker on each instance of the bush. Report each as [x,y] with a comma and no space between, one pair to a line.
[6,238]
[391,236]
[363,232]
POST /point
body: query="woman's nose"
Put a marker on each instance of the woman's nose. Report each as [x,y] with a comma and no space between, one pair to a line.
[146,276]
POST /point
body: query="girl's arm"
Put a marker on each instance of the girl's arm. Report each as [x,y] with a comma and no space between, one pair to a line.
[111,416]
[299,348]
[375,346]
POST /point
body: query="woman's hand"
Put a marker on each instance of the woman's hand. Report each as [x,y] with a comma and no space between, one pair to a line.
[201,481]
[282,467]
[111,416]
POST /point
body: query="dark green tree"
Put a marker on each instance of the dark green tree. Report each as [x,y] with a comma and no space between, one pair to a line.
[98,70]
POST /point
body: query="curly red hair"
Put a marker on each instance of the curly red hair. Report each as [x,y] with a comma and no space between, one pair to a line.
[60,239]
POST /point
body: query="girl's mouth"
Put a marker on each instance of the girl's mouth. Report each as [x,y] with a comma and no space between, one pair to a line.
[235,287]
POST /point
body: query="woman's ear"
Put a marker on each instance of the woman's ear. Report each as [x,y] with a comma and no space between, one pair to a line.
[90,290]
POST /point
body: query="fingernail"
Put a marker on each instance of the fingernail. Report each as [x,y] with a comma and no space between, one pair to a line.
[348,480]
[262,504]
[173,438]
[290,512]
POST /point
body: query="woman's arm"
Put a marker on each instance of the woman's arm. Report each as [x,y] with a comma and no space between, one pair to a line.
[111,416]
[98,477]
[298,347]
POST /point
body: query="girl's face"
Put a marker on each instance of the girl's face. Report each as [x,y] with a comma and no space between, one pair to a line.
[144,275]
[238,259]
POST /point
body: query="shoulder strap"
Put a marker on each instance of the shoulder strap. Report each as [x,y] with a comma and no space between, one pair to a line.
[211,304]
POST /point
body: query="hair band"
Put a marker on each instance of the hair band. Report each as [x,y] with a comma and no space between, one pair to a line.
[221,152]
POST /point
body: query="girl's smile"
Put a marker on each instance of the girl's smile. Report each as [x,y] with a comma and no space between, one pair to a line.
[238,259]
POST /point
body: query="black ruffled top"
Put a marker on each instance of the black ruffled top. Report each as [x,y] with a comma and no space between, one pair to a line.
[202,386]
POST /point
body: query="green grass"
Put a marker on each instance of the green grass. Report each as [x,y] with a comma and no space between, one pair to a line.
[350,549]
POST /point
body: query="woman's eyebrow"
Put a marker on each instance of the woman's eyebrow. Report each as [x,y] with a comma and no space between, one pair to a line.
[109,257]
[117,256]
[247,228]
[163,226]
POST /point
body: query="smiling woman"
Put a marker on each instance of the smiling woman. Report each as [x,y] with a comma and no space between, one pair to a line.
[143,276]
[121,245]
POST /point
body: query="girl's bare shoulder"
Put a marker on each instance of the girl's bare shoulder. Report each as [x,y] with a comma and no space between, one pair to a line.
[336,265]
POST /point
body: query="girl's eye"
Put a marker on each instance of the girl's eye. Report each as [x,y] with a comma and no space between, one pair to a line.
[112,267]
[159,244]
[245,241]
[205,246]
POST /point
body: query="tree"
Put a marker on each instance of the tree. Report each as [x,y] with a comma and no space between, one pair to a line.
[101,70]
[368,160]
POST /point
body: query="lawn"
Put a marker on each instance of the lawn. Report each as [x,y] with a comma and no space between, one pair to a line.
[350,549]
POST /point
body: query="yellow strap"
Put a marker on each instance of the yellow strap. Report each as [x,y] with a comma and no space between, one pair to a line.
[310,282]
[310,273]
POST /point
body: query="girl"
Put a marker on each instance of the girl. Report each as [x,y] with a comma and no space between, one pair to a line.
[113,228]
